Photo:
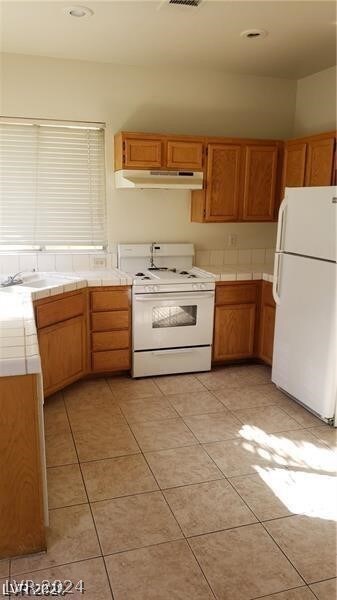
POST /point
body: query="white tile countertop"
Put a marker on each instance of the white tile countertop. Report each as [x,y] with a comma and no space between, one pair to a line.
[241,272]
[19,350]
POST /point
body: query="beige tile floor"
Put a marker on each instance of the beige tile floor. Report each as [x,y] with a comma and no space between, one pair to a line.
[191,487]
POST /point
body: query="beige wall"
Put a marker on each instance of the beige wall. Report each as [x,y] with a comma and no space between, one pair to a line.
[316,103]
[151,99]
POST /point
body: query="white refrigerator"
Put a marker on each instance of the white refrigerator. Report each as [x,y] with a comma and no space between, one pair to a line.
[304,289]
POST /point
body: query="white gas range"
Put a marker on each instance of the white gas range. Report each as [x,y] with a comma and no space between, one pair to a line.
[172,309]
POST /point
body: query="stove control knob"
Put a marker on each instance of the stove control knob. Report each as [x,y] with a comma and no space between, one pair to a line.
[202,286]
[149,288]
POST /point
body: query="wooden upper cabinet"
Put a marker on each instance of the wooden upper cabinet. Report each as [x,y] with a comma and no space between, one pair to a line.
[184,155]
[259,182]
[158,151]
[309,161]
[320,156]
[223,182]
[142,153]
[294,164]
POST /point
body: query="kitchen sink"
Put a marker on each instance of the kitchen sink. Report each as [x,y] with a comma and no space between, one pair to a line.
[45,282]
[35,283]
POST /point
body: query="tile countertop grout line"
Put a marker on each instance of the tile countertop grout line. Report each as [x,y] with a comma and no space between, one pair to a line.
[87,495]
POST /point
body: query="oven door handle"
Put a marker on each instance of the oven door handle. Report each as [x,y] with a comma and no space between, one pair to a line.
[173,351]
[192,297]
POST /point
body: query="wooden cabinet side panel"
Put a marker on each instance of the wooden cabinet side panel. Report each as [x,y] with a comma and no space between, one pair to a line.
[223,182]
[234,332]
[198,206]
[267,323]
[267,326]
[22,528]
[260,183]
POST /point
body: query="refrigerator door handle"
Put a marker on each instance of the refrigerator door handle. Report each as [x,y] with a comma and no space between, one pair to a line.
[281,226]
[276,278]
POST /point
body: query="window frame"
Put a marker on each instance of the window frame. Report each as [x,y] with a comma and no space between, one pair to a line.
[62,248]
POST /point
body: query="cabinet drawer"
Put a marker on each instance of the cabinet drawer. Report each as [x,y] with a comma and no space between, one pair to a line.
[109,300]
[111,360]
[110,340]
[236,294]
[105,321]
[59,310]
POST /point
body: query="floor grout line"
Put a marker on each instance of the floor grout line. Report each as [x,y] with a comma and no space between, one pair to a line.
[161,490]
[90,508]
[182,532]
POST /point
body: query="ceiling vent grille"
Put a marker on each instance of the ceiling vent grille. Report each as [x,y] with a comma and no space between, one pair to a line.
[185,2]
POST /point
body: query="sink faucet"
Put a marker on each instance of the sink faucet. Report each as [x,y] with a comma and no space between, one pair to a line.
[13,279]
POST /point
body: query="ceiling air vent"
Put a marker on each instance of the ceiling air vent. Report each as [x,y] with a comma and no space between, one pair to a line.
[185,2]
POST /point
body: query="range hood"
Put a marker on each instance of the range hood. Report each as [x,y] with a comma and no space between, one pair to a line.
[160,179]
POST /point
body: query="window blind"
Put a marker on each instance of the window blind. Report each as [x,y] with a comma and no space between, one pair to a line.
[52,185]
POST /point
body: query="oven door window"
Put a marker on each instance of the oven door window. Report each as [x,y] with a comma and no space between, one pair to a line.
[173,316]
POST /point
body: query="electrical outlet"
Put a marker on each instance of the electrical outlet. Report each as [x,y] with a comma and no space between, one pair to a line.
[232,240]
[99,262]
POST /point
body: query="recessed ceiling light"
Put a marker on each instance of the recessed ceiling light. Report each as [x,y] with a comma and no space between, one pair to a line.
[253,34]
[79,11]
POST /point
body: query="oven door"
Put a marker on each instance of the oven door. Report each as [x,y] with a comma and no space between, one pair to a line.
[172,320]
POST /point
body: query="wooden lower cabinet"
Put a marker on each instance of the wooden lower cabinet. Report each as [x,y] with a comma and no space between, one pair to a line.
[110,329]
[234,332]
[63,353]
[62,333]
[235,321]
[244,321]
[22,529]
[267,323]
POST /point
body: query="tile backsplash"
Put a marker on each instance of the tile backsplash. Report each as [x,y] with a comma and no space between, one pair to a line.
[46,261]
[234,257]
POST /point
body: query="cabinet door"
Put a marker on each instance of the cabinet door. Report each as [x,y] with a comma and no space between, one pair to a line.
[259,183]
[63,351]
[294,165]
[223,182]
[142,153]
[184,155]
[267,326]
[320,162]
[234,332]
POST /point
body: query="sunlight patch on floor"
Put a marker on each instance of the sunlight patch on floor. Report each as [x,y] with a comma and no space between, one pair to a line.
[303,493]
[280,449]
